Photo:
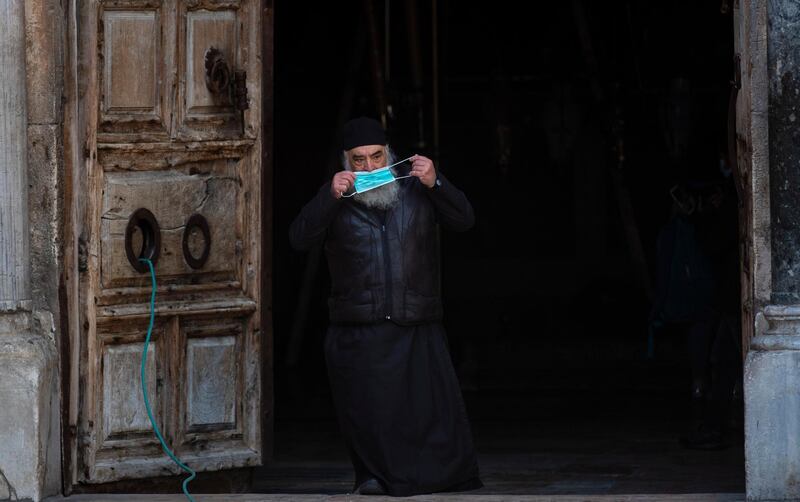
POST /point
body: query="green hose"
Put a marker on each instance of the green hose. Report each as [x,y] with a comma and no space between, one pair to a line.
[144,385]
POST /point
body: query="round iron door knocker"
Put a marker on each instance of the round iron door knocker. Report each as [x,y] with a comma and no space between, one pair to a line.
[218,75]
[143,221]
[196,221]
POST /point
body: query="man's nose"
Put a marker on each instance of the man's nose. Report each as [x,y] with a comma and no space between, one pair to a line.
[372,164]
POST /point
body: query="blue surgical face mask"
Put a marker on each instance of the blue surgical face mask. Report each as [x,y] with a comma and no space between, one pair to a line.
[367,180]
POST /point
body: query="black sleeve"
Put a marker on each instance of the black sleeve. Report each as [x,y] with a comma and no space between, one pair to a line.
[454,210]
[310,226]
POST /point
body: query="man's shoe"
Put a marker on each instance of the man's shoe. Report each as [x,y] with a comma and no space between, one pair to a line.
[370,487]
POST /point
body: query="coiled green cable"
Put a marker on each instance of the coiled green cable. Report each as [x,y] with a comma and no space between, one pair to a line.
[144,385]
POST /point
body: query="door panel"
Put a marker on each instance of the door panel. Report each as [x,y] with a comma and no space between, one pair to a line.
[227,27]
[158,142]
[214,362]
[124,413]
[134,57]
[131,88]
[121,432]
[205,29]
[210,393]
[177,196]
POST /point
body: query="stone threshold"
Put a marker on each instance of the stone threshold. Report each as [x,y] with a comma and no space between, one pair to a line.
[443,497]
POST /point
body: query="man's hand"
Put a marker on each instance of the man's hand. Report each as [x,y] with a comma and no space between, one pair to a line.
[341,183]
[422,168]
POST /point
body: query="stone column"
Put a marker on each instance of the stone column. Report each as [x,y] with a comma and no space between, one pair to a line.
[29,395]
[14,255]
[772,366]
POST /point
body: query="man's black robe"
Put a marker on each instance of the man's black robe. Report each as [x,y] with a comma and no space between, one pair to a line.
[400,407]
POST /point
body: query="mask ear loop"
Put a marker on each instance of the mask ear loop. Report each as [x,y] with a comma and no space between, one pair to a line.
[398,163]
[388,167]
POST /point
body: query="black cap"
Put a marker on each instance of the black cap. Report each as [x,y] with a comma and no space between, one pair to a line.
[362,131]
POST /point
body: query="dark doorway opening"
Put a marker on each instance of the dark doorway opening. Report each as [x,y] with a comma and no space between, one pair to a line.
[578,130]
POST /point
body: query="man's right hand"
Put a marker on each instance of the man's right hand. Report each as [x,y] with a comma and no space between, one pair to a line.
[341,183]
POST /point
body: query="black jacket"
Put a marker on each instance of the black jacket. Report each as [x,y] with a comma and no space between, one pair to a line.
[383,265]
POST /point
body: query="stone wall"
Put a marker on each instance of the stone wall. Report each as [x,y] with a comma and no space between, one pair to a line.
[30,263]
[772,366]
[44,33]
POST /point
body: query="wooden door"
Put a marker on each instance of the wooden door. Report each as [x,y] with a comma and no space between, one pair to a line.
[171,165]
[740,151]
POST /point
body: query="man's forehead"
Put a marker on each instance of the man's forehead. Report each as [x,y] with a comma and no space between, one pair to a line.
[366,150]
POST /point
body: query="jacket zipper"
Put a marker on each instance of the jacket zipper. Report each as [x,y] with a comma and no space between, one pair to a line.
[388,268]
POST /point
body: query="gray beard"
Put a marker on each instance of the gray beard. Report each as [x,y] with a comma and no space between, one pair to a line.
[383,197]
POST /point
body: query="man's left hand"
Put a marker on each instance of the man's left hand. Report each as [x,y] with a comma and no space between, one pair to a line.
[422,168]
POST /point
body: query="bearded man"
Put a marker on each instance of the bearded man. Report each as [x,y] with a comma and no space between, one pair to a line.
[396,394]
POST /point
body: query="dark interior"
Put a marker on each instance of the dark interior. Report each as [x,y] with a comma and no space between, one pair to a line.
[575,128]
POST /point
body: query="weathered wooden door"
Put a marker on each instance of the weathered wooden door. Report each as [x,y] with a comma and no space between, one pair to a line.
[168,117]
[747,135]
